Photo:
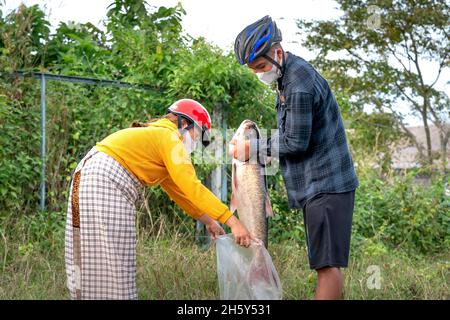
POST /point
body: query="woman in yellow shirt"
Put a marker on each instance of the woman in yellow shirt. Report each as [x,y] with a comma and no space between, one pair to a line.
[100,240]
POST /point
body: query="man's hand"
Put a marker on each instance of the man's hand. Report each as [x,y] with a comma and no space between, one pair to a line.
[239,149]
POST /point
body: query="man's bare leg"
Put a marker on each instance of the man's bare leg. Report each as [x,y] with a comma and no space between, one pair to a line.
[329,284]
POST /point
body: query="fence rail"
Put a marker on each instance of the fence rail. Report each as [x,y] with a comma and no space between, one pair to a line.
[43,77]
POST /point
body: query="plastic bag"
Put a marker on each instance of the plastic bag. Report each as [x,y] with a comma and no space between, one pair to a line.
[246,273]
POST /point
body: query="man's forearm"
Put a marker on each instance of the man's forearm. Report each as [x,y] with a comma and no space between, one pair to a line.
[294,135]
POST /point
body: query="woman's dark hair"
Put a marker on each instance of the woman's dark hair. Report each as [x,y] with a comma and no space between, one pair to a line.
[136,124]
[170,116]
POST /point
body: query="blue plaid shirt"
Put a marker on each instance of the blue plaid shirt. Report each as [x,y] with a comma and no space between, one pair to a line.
[310,140]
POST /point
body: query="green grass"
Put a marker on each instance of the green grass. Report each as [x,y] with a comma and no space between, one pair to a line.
[175,268]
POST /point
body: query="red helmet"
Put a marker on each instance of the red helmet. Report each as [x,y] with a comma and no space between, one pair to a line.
[196,114]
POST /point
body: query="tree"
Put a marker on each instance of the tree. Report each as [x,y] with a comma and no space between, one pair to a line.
[24,33]
[383,47]
[371,136]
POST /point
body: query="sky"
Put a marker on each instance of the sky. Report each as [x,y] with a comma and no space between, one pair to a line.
[219,21]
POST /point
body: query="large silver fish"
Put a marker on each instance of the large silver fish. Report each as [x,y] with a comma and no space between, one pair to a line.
[249,191]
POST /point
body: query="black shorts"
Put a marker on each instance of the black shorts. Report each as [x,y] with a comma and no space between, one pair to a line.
[328,224]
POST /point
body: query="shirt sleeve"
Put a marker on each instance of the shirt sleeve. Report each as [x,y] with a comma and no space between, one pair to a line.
[192,193]
[180,198]
[294,132]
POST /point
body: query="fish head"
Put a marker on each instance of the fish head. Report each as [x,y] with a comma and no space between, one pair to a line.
[246,131]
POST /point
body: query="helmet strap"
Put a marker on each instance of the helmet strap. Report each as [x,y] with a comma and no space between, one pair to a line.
[180,124]
[282,67]
[206,139]
[272,61]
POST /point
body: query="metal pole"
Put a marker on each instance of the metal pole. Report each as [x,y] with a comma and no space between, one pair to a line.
[216,174]
[42,187]
[201,235]
[224,191]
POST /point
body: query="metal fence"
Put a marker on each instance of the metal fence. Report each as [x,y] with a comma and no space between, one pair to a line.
[44,77]
[218,179]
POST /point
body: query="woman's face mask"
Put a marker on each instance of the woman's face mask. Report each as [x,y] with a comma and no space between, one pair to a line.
[270,76]
[190,144]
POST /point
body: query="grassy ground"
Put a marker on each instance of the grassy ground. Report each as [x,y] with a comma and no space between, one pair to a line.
[175,268]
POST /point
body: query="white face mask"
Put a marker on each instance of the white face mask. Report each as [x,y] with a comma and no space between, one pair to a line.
[189,144]
[270,76]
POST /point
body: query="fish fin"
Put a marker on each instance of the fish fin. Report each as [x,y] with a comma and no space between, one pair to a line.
[269,211]
[233,203]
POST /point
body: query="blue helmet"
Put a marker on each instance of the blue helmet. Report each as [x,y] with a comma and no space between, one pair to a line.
[256,40]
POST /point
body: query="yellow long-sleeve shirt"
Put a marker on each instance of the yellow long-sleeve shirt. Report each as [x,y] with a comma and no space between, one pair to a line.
[156,155]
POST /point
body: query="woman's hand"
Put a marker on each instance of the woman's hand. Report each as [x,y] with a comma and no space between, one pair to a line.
[213,227]
[241,235]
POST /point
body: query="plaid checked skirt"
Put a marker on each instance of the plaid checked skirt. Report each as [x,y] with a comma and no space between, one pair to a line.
[100,239]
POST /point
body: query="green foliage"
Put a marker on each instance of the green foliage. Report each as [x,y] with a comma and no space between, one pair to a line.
[212,78]
[287,224]
[372,136]
[77,49]
[19,148]
[401,212]
[391,212]
[24,33]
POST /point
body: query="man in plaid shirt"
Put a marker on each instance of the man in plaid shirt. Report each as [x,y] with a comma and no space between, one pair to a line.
[311,144]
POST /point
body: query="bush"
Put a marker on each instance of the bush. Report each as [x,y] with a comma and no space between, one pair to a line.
[391,212]
[19,149]
[400,212]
